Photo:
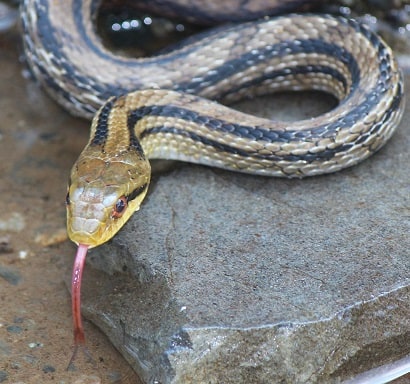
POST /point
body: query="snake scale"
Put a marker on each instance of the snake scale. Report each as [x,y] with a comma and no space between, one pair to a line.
[160,107]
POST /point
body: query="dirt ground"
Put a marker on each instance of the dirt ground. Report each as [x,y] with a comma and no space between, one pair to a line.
[38,144]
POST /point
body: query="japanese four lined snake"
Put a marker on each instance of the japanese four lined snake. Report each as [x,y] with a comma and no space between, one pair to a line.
[160,107]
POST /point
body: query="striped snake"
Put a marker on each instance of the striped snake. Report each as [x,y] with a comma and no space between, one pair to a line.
[159,107]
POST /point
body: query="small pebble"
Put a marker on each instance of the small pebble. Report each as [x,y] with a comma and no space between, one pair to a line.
[23,255]
[14,329]
[3,376]
[5,246]
[10,275]
[48,369]
[35,345]
[15,365]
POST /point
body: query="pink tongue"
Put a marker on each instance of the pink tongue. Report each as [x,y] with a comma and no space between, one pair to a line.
[79,337]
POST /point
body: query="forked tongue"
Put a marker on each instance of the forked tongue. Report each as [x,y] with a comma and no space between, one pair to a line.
[79,336]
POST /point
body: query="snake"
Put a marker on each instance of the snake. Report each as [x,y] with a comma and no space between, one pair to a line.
[173,105]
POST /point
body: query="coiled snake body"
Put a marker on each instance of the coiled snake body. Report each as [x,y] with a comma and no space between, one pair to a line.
[155,107]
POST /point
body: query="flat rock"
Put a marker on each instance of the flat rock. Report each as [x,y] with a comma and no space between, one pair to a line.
[231,278]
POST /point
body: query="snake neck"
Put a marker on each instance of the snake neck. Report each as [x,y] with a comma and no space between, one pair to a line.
[109,180]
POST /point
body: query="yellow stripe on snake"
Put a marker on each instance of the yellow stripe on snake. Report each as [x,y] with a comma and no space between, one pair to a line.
[160,107]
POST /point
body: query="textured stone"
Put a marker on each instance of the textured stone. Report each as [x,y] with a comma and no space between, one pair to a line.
[231,278]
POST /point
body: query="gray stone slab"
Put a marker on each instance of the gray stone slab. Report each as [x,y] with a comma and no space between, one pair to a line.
[231,278]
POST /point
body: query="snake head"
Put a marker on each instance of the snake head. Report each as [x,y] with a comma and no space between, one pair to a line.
[102,195]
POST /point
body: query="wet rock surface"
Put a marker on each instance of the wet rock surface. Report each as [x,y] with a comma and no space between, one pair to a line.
[224,277]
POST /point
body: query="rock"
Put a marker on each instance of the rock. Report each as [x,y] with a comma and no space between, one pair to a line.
[11,275]
[48,368]
[3,376]
[231,278]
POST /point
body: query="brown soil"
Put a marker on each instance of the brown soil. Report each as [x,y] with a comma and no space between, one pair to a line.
[39,142]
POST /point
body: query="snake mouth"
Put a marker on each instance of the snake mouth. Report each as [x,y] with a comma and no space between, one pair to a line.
[85,239]
[84,230]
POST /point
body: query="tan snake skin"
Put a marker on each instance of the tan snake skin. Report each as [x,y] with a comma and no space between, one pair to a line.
[156,107]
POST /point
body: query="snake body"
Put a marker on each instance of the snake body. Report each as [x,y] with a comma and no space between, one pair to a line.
[156,107]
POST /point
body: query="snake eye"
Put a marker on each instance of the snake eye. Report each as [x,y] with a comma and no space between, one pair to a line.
[119,207]
[67,199]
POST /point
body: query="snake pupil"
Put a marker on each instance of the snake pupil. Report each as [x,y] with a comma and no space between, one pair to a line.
[119,208]
[67,199]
